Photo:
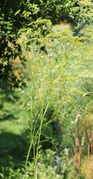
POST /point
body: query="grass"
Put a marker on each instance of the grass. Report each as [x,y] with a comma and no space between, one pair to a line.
[59,84]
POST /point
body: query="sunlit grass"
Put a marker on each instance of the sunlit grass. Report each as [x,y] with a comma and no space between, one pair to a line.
[57,86]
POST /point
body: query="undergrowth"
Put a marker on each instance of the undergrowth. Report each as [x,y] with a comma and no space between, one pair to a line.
[58,84]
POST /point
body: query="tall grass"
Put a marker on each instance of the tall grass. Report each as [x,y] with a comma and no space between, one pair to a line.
[54,81]
[58,84]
